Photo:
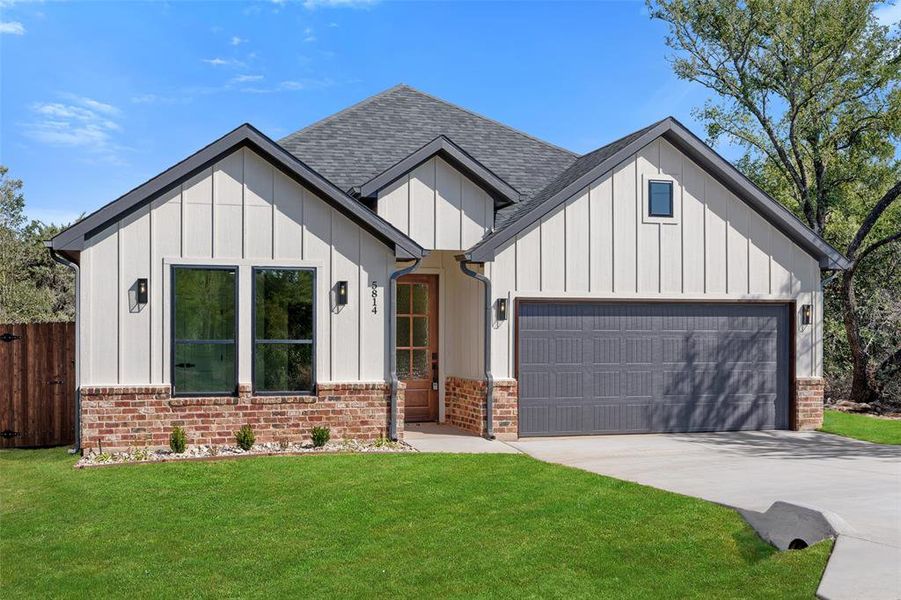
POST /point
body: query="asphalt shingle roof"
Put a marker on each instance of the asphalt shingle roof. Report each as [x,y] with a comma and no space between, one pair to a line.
[358,143]
[579,167]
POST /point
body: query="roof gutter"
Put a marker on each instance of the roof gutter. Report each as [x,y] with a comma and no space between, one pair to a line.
[392,343]
[489,378]
[74,266]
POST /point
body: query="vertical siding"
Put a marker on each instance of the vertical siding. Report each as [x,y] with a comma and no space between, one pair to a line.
[438,206]
[165,227]
[244,212]
[134,318]
[598,245]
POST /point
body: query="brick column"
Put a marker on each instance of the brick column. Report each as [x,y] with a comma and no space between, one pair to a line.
[464,406]
[809,393]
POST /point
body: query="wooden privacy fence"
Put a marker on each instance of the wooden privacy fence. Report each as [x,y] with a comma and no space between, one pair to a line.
[37,385]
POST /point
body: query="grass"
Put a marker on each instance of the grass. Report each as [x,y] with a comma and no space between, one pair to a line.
[408,525]
[862,427]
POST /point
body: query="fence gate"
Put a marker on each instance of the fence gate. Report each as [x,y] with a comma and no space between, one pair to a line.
[37,385]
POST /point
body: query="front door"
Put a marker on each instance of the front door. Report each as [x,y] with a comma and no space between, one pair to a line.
[417,345]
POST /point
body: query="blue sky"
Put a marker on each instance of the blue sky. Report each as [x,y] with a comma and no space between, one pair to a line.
[97,97]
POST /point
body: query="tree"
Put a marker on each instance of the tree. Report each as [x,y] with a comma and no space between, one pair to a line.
[810,90]
[33,287]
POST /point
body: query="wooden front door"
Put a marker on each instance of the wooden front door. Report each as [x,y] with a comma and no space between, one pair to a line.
[417,345]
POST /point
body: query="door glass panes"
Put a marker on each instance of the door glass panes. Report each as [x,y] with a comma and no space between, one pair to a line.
[413,331]
[420,331]
[403,298]
[403,363]
[420,293]
[421,367]
[403,331]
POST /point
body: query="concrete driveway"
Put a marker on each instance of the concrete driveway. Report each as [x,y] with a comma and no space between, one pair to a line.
[858,481]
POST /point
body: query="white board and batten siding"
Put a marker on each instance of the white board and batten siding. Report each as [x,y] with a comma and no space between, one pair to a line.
[437,206]
[598,244]
[241,212]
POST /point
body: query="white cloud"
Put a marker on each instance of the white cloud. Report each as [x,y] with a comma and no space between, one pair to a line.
[889,14]
[12,28]
[246,78]
[309,35]
[236,41]
[314,4]
[291,85]
[78,123]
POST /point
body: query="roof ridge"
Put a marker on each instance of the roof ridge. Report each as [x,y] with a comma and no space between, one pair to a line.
[489,119]
[404,86]
[343,111]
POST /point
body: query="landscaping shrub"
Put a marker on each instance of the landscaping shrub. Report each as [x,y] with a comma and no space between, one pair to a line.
[321,435]
[178,440]
[245,437]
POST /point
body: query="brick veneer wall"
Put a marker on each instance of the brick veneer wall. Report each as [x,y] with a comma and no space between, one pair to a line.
[119,418]
[809,393]
[464,406]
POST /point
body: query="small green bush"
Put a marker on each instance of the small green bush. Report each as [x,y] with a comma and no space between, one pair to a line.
[245,438]
[321,435]
[178,441]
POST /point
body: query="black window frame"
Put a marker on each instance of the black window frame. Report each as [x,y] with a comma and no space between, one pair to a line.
[672,199]
[254,340]
[173,341]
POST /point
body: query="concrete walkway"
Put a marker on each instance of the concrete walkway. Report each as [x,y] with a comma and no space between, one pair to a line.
[858,481]
[435,437]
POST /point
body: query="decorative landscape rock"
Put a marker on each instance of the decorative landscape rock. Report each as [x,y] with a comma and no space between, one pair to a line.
[142,455]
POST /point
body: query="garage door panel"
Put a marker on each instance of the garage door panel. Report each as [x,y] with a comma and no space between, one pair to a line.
[643,367]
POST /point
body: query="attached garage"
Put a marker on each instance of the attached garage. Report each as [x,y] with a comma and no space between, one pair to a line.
[644,367]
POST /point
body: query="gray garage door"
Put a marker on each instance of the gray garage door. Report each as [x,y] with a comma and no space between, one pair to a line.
[589,368]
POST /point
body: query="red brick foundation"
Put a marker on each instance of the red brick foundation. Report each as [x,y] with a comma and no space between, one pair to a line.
[118,418]
[464,406]
[809,394]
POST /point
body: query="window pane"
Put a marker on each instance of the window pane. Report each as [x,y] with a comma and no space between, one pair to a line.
[403,331]
[420,298]
[204,304]
[403,299]
[204,368]
[403,364]
[283,367]
[284,304]
[420,331]
[661,199]
[421,367]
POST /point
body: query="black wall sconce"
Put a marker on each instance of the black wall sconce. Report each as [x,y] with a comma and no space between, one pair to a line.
[806,311]
[501,309]
[141,295]
[341,293]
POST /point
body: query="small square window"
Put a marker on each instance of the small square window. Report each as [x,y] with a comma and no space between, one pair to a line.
[660,198]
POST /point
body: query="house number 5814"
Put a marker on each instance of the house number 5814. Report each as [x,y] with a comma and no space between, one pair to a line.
[375,295]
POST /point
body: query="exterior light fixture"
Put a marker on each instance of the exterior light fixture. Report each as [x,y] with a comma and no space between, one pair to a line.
[806,311]
[501,309]
[341,293]
[142,291]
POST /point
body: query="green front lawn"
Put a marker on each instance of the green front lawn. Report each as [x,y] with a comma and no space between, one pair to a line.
[862,427]
[401,525]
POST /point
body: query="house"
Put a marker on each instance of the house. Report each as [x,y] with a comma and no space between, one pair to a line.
[408,260]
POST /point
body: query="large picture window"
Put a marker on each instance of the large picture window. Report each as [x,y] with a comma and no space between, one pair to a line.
[204,326]
[283,332]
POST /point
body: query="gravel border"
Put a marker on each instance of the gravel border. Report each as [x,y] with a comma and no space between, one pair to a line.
[205,453]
